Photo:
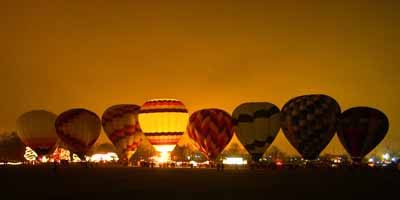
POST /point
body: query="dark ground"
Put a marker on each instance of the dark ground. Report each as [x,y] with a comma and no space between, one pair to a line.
[22,182]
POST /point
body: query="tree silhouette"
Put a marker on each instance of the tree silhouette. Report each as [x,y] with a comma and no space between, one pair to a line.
[275,153]
[11,147]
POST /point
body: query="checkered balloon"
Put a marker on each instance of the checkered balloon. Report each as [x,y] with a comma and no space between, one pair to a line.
[309,123]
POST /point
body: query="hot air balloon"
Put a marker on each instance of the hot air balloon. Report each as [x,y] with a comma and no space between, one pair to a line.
[163,122]
[120,122]
[256,126]
[309,123]
[211,130]
[78,129]
[36,130]
[361,129]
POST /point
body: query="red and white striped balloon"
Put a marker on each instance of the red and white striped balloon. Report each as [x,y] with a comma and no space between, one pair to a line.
[120,122]
[211,130]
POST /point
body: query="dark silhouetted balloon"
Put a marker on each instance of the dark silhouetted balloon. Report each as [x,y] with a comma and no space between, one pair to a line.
[256,126]
[36,130]
[121,124]
[211,130]
[361,129]
[309,123]
[78,129]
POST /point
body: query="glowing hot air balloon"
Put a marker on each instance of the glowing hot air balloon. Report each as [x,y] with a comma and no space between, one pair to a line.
[120,122]
[309,123]
[361,129]
[211,130]
[256,126]
[163,122]
[78,129]
[36,130]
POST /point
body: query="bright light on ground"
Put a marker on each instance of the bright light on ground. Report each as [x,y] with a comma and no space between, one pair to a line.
[44,159]
[11,163]
[108,157]
[194,163]
[75,158]
[234,161]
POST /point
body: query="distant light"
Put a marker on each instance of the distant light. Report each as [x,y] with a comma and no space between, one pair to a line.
[394,159]
[44,159]
[386,156]
[194,163]
[279,163]
[234,161]
[371,164]
[11,163]
[371,160]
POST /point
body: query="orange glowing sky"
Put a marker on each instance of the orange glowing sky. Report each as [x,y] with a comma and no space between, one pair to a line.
[66,54]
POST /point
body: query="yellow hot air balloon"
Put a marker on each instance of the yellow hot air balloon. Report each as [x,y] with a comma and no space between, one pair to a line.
[36,130]
[163,122]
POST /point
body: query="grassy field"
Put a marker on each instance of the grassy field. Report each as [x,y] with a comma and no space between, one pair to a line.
[22,182]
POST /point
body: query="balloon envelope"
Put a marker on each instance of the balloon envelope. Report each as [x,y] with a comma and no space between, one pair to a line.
[36,130]
[211,130]
[120,122]
[78,129]
[256,126]
[163,122]
[309,123]
[361,129]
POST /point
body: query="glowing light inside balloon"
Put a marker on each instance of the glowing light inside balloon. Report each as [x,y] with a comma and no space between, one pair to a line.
[164,148]
[164,157]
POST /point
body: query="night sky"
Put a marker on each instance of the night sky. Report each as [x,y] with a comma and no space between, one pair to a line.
[62,55]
